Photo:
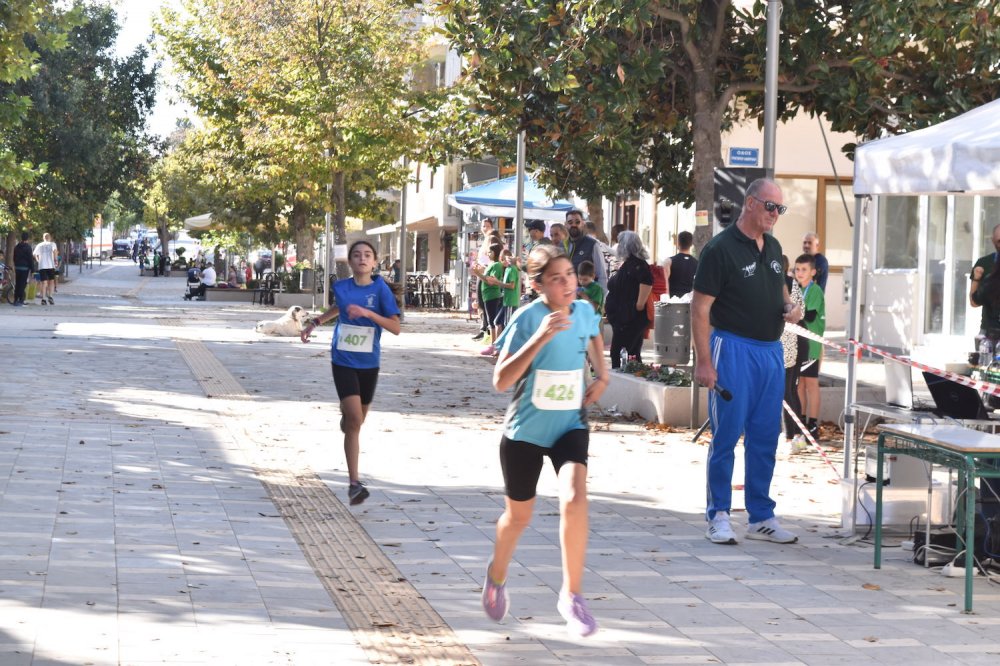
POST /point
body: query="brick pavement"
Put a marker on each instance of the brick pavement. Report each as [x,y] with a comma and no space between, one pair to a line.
[139,528]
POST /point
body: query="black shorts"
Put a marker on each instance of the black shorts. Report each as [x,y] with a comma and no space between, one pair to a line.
[45,274]
[355,381]
[810,368]
[521,462]
[493,308]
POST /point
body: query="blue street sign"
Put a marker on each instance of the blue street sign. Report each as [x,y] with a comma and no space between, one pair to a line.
[744,156]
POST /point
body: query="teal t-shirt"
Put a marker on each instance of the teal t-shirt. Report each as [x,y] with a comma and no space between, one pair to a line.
[512,297]
[492,292]
[813,299]
[548,398]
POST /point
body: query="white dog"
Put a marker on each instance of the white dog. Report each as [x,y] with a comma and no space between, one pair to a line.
[288,324]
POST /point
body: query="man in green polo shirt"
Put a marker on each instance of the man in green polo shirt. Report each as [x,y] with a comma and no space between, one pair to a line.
[738,312]
[980,271]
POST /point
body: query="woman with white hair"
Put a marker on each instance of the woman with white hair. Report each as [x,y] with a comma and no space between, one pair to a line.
[628,290]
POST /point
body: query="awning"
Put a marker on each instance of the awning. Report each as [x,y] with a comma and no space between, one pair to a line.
[499,199]
[961,155]
[420,226]
[198,222]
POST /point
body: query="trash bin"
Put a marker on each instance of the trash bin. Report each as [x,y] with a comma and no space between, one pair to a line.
[307,280]
[672,333]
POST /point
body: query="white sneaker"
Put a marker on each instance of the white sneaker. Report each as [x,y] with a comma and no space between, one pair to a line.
[770,530]
[720,531]
[799,444]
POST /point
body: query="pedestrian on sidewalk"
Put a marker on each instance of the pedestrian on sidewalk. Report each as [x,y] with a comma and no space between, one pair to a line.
[543,354]
[24,261]
[739,304]
[46,254]
[365,305]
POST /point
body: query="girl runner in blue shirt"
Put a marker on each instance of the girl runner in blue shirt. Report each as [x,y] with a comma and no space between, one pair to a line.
[365,305]
[543,355]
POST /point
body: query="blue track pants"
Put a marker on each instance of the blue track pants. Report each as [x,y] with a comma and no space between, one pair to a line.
[753,371]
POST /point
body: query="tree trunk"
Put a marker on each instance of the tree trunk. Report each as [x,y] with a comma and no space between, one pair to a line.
[595,212]
[338,201]
[163,231]
[302,233]
[707,153]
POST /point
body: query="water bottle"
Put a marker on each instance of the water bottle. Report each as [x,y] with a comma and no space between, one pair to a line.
[985,352]
[623,357]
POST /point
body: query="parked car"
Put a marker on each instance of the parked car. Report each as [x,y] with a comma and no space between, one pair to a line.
[122,248]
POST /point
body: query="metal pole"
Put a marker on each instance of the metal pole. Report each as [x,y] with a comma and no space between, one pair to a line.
[774,8]
[402,237]
[853,333]
[519,208]
[327,245]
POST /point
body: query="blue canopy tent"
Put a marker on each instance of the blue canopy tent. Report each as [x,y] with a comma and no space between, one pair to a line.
[499,199]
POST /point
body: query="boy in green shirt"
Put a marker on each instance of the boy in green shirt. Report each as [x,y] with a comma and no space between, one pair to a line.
[814,320]
[590,290]
[491,289]
[511,288]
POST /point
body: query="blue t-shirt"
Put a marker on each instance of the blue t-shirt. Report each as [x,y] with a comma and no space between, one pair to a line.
[353,338]
[566,351]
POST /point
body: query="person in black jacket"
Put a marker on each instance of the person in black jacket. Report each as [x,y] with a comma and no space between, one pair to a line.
[24,261]
[628,290]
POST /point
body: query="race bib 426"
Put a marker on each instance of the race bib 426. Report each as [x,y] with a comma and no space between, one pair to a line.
[555,390]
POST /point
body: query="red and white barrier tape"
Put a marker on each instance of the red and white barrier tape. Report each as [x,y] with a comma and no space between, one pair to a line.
[985,387]
[809,335]
[805,433]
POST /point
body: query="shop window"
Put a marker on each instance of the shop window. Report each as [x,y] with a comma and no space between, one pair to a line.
[898,227]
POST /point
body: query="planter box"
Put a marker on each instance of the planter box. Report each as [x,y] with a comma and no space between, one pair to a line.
[651,400]
[231,295]
[285,301]
[671,405]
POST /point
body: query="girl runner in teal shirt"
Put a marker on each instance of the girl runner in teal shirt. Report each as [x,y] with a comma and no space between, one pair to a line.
[543,355]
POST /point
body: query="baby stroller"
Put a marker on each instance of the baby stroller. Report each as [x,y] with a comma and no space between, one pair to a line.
[193,282]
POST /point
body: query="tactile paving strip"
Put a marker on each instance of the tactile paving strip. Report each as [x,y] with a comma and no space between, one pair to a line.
[393,623]
[215,380]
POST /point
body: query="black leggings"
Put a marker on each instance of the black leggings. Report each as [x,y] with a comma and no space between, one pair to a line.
[628,337]
[20,284]
[792,398]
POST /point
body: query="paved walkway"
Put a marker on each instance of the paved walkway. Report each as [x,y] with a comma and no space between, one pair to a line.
[171,490]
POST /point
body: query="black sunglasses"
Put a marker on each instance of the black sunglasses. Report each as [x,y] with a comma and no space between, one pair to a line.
[770,206]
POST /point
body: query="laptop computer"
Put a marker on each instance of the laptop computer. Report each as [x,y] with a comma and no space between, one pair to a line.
[955,400]
[899,386]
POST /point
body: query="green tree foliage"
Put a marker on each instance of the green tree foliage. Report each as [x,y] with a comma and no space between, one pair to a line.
[22,35]
[616,94]
[85,121]
[297,94]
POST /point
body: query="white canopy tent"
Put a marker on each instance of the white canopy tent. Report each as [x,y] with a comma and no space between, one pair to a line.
[960,156]
[198,222]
